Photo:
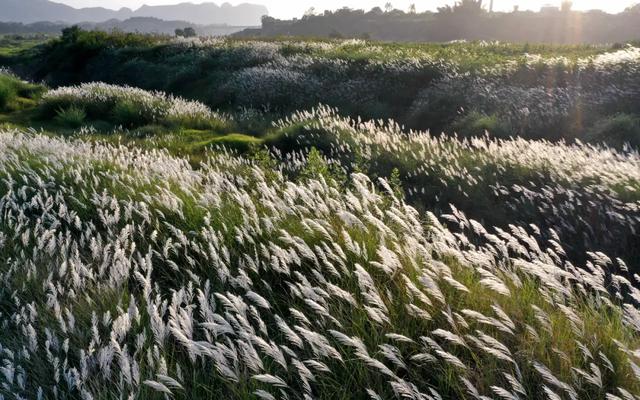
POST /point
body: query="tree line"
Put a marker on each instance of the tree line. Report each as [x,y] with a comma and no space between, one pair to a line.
[465,20]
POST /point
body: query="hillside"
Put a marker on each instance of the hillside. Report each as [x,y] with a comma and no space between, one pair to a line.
[149,249]
[531,91]
[29,11]
[297,219]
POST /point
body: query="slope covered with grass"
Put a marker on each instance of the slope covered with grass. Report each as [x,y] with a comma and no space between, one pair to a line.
[584,196]
[151,249]
[15,93]
[533,91]
[587,197]
[129,273]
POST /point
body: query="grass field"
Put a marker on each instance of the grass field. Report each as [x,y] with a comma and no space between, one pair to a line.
[153,247]
[532,91]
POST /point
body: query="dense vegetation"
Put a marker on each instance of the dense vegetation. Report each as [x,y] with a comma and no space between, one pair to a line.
[467,21]
[532,91]
[16,94]
[151,247]
[136,24]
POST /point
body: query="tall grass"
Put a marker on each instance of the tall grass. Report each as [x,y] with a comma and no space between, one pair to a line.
[542,92]
[129,107]
[14,92]
[353,260]
[233,281]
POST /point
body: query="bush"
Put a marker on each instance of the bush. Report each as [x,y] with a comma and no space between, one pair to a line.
[7,94]
[476,124]
[129,114]
[14,92]
[616,131]
[72,117]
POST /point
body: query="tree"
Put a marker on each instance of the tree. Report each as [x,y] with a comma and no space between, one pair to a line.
[190,32]
[566,6]
[187,32]
[71,34]
[310,12]
[468,7]
[268,22]
[388,7]
[412,8]
[445,10]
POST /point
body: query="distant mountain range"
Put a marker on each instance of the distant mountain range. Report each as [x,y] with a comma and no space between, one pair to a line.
[29,11]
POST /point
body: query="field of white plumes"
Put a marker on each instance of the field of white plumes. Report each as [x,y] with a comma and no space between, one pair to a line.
[153,248]
[586,197]
[529,90]
[131,274]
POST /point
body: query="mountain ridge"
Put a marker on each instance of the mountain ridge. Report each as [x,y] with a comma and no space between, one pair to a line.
[30,11]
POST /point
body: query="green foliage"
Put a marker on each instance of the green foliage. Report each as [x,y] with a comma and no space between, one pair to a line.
[7,93]
[317,166]
[15,93]
[395,181]
[235,141]
[187,32]
[617,130]
[16,46]
[475,124]
[72,117]
[198,122]
[265,161]
[70,53]
[129,114]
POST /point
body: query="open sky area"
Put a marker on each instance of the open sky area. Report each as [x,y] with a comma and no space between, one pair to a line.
[289,9]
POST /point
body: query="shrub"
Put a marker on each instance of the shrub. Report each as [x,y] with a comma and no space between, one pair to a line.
[14,92]
[616,130]
[476,124]
[7,94]
[129,114]
[72,117]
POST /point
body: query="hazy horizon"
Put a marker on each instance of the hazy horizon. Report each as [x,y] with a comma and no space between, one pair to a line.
[283,9]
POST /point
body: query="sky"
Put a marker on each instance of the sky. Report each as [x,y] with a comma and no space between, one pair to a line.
[295,8]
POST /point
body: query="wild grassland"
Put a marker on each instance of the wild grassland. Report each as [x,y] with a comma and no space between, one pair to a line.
[532,91]
[151,247]
[234,281]
[12,45]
